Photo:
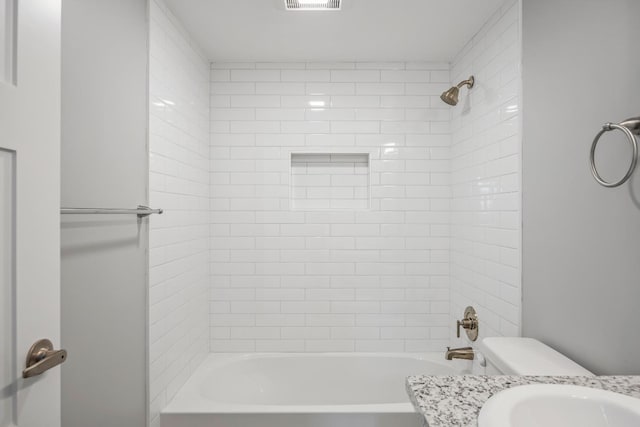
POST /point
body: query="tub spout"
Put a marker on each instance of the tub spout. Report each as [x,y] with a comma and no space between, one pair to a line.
[459,353]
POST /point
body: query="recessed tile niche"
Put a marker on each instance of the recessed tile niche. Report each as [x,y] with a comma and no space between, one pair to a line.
[324,181]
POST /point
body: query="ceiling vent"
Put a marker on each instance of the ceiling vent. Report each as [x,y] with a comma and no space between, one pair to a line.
[301,5]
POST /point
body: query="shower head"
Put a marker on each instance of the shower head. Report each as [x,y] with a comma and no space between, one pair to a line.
[451,95]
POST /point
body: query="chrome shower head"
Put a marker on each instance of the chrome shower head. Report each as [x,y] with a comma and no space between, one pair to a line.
[451,96]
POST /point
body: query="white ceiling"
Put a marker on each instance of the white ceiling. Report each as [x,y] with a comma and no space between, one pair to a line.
[365,30]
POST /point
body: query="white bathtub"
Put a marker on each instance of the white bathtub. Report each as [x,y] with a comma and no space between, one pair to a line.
[303,390]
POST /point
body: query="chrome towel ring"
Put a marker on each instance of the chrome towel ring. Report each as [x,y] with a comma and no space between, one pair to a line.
[629,128]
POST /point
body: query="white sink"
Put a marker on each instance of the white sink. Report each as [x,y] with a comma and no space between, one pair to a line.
[552,405]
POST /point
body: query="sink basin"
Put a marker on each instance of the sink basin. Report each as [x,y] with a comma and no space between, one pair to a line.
[551,405]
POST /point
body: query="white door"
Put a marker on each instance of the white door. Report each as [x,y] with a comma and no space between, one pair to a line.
[29,208]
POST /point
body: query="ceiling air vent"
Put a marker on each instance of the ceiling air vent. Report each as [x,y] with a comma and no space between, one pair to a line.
[313,4]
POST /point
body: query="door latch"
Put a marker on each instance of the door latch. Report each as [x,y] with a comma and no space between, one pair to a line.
[42,357]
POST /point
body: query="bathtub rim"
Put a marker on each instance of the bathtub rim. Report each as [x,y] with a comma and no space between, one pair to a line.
[188,401]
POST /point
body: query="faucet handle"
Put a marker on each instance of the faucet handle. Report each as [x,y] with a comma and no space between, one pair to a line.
[470,323]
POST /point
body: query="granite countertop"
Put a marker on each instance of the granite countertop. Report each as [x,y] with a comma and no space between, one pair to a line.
[456,400]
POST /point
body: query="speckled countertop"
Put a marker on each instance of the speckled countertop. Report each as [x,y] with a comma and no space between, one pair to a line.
[447,401]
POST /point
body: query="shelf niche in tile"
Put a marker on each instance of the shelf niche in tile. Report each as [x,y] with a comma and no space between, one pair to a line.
[330,181]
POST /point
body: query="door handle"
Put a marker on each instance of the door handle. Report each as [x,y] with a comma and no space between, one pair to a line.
[42,357]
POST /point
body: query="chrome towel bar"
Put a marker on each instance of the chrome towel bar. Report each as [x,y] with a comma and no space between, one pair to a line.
[630,128]
[141,211]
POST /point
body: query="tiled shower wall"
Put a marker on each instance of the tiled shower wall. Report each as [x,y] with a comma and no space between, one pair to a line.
[357,277]
[486,182]
[371,276]
[179,183]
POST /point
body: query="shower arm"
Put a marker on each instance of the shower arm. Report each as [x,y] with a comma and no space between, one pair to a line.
[469,82]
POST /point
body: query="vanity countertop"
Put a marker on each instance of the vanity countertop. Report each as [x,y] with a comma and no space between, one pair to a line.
[447,401]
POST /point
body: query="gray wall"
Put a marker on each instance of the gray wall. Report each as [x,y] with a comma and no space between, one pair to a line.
[581,241]
[104,258]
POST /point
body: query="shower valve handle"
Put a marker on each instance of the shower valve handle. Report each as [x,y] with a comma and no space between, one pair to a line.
[466,324]
[469,323]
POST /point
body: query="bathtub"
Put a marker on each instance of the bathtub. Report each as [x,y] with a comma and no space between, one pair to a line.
[303,390]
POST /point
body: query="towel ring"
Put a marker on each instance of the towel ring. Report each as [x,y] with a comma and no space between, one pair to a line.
[628,127]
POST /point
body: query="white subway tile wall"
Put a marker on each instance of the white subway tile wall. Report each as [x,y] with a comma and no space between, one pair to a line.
[178,182]
[358,277]
[486,165]
[265,248]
